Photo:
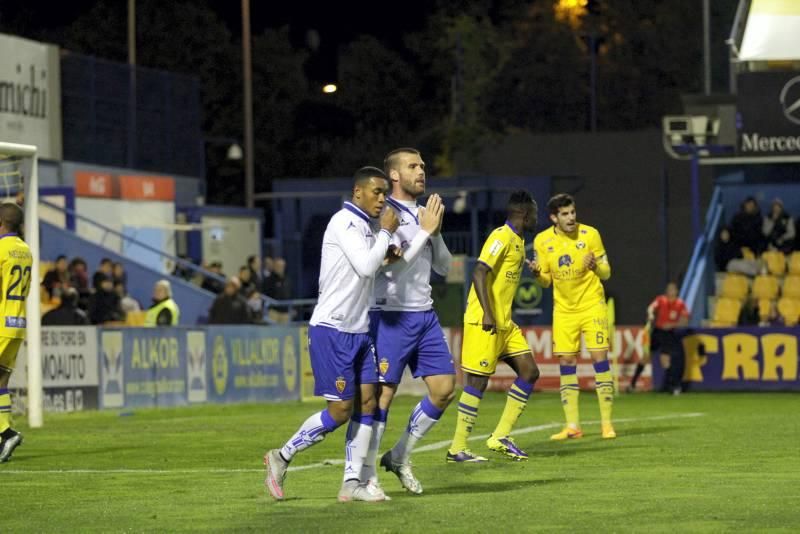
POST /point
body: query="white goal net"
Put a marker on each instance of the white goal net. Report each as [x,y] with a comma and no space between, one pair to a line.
[19,182]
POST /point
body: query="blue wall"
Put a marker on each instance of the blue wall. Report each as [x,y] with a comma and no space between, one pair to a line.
[193,301]
[299,222]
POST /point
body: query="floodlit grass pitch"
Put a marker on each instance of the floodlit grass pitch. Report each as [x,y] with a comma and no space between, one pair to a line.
[735,467]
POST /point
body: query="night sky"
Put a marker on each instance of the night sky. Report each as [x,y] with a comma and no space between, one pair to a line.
[336,22]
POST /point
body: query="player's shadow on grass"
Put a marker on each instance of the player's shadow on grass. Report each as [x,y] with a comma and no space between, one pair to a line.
[33,455]
[490,487]
[562,449]
[641,431]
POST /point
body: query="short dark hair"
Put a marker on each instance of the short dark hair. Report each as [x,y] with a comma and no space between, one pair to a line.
[61,257]
[390,161]
[105,261]
[12,216]
[561,200]
[520,198]
[69,295]
[520,201]
[364,174]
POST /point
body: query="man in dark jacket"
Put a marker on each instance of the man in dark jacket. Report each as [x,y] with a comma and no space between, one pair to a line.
[68,313]
[279,287]
[230,307]
[746,226]
[104,303]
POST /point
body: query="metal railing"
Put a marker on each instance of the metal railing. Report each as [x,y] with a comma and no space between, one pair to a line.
[692,289]
[267,302]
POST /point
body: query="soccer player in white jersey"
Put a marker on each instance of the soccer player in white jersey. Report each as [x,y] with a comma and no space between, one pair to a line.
[342,350]
[406,329]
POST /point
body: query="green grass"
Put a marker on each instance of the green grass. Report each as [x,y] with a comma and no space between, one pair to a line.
[735,468]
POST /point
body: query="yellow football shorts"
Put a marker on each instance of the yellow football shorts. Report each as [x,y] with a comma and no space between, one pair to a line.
[568,327]
[480,351]
[9,346]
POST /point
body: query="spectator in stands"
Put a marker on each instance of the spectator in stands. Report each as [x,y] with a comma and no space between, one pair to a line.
[79,279]
[104,304]
[103,272]
[725,249]
[57,279]
[79,274]
[230,307]
[746,227]
[778,228]
[68,313]
[183,270]
[246,280]
[266,272]
[256,277]
[118,274]
[126,302]
[211,284]
[164,311]
[256,305]
[279,287]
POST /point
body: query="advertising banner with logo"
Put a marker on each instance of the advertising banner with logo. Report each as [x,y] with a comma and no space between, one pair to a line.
[30,95]
[95,184]
[249,363]
[532,304]
[69,370]
[769,109]
[152,367]
[740,359]
[627,349]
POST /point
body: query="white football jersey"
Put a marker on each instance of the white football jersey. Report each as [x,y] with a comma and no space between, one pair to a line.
[352,252]
[406,284]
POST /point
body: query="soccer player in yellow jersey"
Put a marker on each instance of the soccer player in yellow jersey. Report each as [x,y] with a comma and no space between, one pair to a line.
[490,335]
[15,281]
[571,256]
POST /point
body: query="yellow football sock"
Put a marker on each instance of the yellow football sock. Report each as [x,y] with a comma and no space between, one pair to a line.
[569,395]
[516,401]
[5,409]
[467,414]
[604,385]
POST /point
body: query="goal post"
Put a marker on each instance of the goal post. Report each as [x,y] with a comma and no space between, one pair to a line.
[19,171]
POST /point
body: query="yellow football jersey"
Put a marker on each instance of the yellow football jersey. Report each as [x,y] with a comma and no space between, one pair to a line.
[575,288]
[15,270]
[504,253]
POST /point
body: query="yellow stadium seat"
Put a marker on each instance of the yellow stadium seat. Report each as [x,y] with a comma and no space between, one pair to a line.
[791,286]
[747,254]
[45,267]
[135,318]
[734,286]
[765,287]
[764,308]
[794,262]
[726,312]
[789,310]
[776,262]
[45,307]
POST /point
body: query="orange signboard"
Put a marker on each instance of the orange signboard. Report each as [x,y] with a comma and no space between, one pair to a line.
[94,184]
[147,187]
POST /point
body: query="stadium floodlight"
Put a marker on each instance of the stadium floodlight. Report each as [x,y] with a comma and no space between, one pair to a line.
[19,173]
[680,131]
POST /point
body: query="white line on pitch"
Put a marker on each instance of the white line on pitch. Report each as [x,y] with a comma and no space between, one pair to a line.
[426,448]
